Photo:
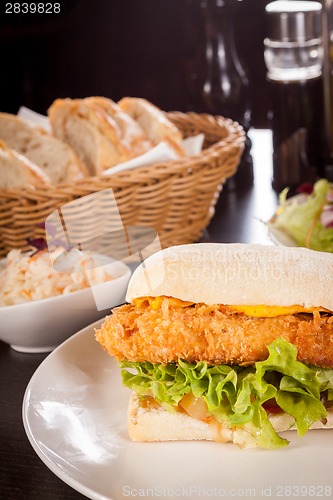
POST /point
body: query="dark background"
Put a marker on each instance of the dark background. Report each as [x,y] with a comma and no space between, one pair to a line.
[115,48]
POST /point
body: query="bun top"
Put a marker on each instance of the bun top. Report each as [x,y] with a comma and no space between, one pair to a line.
[237,274]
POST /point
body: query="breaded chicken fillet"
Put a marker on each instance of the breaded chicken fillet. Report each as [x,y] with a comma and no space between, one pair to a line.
[216,334]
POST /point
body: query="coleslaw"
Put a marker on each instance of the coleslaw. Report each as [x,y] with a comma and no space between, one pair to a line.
[31,276]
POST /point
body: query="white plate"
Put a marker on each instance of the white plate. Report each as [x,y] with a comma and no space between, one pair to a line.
[74,414]
[279,237]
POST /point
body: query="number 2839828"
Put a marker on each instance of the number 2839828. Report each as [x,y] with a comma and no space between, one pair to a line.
[32,8]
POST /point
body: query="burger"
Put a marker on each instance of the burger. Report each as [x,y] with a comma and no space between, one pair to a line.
[226,342]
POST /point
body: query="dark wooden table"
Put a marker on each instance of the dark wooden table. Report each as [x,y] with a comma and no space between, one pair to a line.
[239,217]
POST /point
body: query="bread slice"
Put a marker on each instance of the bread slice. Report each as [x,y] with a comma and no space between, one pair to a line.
[17,171]
[154,423]
[154,122]
[99,132]
[131,133]
[52,155]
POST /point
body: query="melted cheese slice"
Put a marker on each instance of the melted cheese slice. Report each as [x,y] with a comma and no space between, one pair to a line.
[156,302]
[262,311]
[258,311]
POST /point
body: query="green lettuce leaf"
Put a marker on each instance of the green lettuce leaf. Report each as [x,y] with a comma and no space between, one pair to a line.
[299,218]
[301,405]
[235,395]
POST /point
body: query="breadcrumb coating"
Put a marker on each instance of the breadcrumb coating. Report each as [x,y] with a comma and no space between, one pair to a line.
[215,334]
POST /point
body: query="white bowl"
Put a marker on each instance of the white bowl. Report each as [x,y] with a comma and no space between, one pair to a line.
[41,325]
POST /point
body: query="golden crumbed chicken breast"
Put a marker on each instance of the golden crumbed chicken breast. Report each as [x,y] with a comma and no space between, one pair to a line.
[215,334]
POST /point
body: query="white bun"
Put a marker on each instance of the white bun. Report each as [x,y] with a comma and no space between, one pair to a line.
[157,424]
[237,274]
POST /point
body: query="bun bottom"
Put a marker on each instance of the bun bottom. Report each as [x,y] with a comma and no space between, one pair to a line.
[151,422]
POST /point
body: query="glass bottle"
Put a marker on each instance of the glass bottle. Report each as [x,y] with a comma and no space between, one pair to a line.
[328,85]
[219,84]
[294,58]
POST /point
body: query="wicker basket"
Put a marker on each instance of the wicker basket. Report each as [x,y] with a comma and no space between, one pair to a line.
[176,198]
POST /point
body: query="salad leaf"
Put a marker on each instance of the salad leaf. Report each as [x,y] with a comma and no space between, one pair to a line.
[299,217]
[235,395]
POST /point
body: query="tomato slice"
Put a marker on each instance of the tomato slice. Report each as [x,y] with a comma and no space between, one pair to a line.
[271,406]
